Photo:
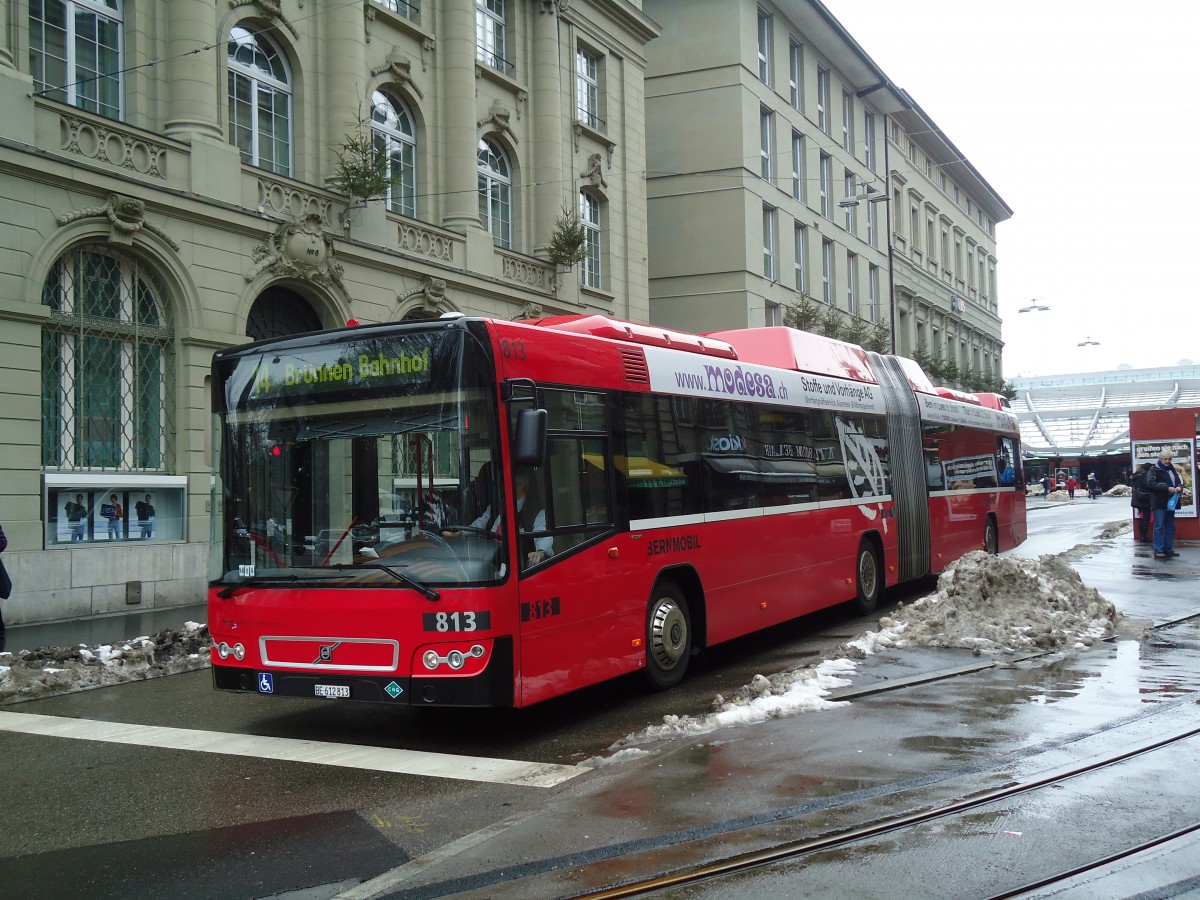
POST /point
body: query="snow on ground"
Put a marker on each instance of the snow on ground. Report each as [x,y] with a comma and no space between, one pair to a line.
[48,671]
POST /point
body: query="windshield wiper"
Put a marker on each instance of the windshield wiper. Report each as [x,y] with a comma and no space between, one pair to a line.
[423,589]
[230,589]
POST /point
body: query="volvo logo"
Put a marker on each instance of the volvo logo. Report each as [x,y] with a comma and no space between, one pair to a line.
[327,653]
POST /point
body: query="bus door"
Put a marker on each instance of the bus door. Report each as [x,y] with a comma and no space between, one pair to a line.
[564,512]
[908,466]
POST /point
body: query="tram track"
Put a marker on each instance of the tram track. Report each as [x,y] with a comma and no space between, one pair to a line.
[792,851]
[699,855]
[1100,866]
[564,875]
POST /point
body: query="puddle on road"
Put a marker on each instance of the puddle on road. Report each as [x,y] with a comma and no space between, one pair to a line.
[1084,691]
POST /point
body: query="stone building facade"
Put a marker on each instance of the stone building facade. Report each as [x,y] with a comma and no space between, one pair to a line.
[171,184]
[944,263]
[784,164]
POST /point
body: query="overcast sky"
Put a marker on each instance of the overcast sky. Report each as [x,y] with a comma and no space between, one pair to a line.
[1082,115]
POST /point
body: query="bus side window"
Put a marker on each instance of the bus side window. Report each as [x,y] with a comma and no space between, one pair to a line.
[661,469]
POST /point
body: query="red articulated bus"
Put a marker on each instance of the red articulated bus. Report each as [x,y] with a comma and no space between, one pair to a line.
[469,512]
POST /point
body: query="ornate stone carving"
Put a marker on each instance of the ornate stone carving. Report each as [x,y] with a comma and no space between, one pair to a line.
[422,242]
[291,202]
[300,249]
[594,171]
[269,9]
[399,66]
[114,146]
[126,217]
[499,118]
[433,295]
[527,273]
[530,310]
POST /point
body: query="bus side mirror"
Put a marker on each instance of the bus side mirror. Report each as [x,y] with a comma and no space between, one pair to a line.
[529,444]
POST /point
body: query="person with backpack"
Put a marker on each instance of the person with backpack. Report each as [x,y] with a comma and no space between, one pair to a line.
[1142,502]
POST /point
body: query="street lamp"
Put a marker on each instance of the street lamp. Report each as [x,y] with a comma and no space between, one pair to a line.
[1034,306]
[871,196]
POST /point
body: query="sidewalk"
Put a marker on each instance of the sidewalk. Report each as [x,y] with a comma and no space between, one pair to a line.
[102,629]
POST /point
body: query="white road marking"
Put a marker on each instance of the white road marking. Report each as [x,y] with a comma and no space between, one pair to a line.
[350,756]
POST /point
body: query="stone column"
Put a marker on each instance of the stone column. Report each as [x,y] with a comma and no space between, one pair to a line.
[460,141]
[6,57]
[345,110]
[549,136]
[192,101]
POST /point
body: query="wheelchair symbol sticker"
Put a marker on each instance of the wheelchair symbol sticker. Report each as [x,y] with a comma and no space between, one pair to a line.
[266,683]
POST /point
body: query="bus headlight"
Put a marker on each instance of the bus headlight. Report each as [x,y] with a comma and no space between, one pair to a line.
[455,659]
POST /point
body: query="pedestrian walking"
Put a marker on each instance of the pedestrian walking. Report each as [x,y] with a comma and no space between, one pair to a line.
[1046,485]
[1072,484]
[1093,486]
[1142,502]
[1166,487]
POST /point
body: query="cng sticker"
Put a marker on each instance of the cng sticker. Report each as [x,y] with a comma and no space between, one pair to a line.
[266,683]
[393,690]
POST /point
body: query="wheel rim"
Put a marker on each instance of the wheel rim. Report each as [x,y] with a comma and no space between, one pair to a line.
[668,634]
[868,575]
[989,539]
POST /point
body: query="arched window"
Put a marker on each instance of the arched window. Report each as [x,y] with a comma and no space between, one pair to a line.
[495,192]
[75,53]
[260,101]
[278,312]
[105,369]
[393,136]
[589,217]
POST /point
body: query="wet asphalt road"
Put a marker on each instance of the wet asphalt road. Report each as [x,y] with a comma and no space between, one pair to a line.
[116,820]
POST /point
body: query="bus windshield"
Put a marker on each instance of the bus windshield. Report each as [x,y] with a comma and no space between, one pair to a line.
[353,460]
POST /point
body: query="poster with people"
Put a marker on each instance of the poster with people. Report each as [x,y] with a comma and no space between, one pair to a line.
[1183,451]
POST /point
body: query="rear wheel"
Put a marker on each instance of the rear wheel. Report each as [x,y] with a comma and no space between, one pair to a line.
[868,579]
[668,637]
[991,537]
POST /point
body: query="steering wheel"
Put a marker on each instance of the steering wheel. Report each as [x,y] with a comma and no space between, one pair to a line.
[475,529]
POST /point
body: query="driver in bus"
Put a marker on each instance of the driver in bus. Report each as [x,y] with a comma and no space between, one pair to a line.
[528,520]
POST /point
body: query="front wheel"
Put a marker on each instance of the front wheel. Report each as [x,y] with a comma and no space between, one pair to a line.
[868,578]
[668,637]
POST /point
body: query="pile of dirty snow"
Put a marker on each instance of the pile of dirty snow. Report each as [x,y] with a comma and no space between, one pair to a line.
[48,671]
[999,605]
[984,603]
